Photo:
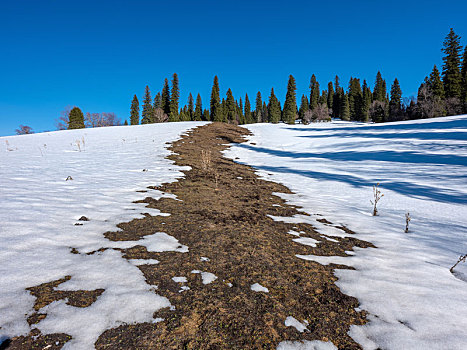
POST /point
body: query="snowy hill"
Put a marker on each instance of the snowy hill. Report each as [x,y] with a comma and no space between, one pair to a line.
[413,300]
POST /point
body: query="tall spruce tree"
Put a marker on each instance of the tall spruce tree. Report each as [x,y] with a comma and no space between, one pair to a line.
[304,107]
[174,98]
[435,84]
[165,105]
[259,108]
[451,65]
[191,107]
[76,119]
[215,104]
[366,101]
[290,104]
[157,101]
[336,100]
[230,107]
[330,97]
[395,103]
[314,92]
[274,108]
[344,107]
[134,111]
[198,114]
[379,92]
[147,114]
[464,79]
[355,99]
[264,113]
[247,113]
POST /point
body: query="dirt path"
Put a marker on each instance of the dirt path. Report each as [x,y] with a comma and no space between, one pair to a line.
[221,214]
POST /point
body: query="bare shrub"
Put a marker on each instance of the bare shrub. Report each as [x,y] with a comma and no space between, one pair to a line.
[430,106]
[377,195]
[378,111]
[62,122]
[321,113]
[205,160]
[462,258]
[407,220]
[24,130]
[307,117]
[95,120]
[160,116]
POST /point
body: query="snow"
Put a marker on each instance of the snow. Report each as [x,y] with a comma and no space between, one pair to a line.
[207,277]
[180,279]
[306,241]
[39,210]
[293,322]
[306,345]
[413,301]
[259,288]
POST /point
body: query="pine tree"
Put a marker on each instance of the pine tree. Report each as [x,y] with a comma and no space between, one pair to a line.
[206,115]
[355,99]
[134,111]
[330,97]
[147,114]
[379,92]
[274,108]
[259,108]
[165,104]
[230,107]
[216,113]
[344,107]
[191,108]
[314,92]
[247,113]
[323,99]
[451,66]
[435,84]
[126,123]
[76,119]
[366,101]
[157,101]
[304,107]
[174,98]
[290,105]
[395,103]
[198,114]
[336,101]
[464,79]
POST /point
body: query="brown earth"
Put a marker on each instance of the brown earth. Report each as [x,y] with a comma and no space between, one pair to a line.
[221,213]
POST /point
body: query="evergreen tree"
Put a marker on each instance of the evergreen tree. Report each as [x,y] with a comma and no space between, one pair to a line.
[304,107]
[147,114]
[290,105]
[274,108]
[165,98]
[265,113]
[395,103]
[336,101]
[464,79]
[259,108]
[126,123]
[366,101]
[379,92]
[323,99]
[355,99]
[330,97]
[174,97]
[451,65]
[191,108]
[206,115]
[435,84]
[216,113]
[314,92]
[344,111]
[231,107]
[157,101]
[76,119]
[198,114]
[223,111]
[134,111]
[247,113]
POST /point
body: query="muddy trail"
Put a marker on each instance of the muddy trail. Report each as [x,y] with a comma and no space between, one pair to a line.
[221,213]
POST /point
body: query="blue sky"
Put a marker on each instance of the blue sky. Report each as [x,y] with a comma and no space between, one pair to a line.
[98,54]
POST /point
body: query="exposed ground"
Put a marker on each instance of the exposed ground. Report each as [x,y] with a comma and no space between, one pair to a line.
[221,213]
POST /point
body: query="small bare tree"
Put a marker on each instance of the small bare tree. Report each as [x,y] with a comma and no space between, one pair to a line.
[160,116]
[95,120]
[62,122]
[377,195]
[321,113]
[24,130]
[462,258]
[407,220]
[307,117]
[430,106]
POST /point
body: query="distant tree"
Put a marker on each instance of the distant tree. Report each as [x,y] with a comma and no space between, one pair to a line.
[160,116]
[321,113]
[174,98]
[215,105]
[290,104]
[314,92]
[330,97]
[63,121]
[191,107]
[134,111]
[344,111]
[464,79]
[198,114]
[304,107]
[336,100]
[125,123]
[366,101]
[429,105]
[259,108]
[451,65]
[378,111]
[435,84]
[165,98]
[206,115]
[247,113]
[355,99]
[147,114]
[274,108]
[157,101]
[379,92]
[395,103]
[24,130]
[96,120]
[76,119]
[231,107]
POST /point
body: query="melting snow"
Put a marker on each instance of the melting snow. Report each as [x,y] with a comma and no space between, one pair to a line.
[259,288]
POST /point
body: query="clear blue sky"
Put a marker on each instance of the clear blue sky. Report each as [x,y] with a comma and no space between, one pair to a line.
[97,54]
